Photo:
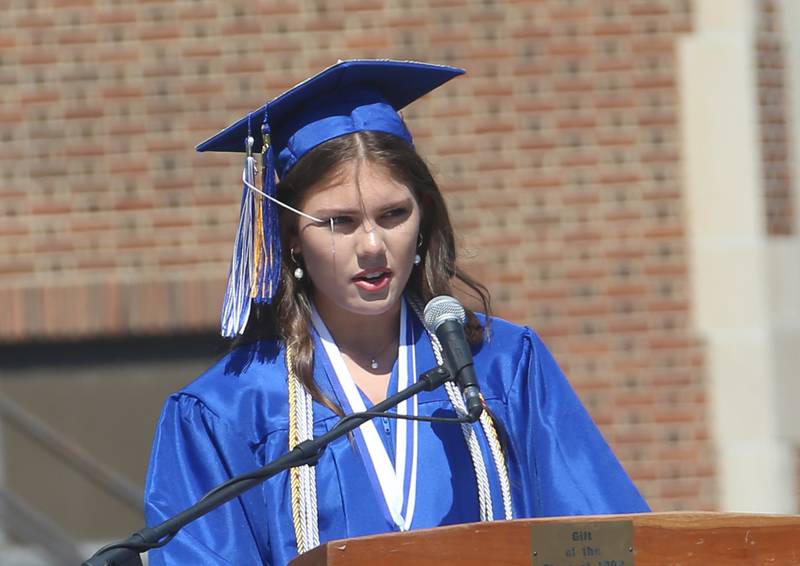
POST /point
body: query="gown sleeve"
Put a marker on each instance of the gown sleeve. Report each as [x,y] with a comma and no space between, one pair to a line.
[559,453]
[193,452]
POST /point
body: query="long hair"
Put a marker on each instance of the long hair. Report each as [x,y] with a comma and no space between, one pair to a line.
[289,317]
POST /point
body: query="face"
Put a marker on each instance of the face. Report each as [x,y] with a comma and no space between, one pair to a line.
[363,265]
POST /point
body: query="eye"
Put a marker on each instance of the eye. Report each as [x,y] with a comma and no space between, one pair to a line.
[398,212]
[339,220]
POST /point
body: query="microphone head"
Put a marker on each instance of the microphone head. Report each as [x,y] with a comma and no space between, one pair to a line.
[441,309]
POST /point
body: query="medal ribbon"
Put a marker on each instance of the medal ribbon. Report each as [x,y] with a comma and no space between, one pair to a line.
[395,482]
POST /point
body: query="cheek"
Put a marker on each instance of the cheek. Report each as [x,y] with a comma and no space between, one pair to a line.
[323,255]
[410,247]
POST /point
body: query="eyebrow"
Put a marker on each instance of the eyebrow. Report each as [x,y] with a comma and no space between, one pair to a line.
[334,211]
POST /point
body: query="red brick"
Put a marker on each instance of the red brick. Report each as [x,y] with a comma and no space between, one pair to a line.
[122,91]
[328,24]
[576,122]
[362,6]
[203,52]
[36,20]
[615,65]
[648,9]
[117,55]
[90,225]
[15,267]
[579,160]
[615,102]
[133,204]
[202,87]
[559,13]
[74,37]
[155,32]
[536,106]
[83,112]
[616,140]
[628,290]
[278,8]
[447,3]
[612,29]
[42,96]
[406,21]
[99,263]
[654,82]
[117,15]
[542,182]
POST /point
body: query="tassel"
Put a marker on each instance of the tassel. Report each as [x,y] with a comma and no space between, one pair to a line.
[236,305]
[256,263]
[268,234]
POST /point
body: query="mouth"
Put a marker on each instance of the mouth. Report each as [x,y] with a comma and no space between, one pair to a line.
[373,279]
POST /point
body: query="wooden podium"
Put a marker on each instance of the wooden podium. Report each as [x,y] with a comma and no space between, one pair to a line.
[647,539]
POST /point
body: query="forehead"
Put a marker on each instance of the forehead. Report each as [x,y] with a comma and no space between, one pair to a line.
[357,183]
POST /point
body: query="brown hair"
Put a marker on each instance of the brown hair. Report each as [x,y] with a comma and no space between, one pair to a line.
[289,317]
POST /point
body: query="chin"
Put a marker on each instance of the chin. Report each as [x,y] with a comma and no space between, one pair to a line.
[374,306]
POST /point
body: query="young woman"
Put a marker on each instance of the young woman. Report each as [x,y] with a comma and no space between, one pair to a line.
[325,306]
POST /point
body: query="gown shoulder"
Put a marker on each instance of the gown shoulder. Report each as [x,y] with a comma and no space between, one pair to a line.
[246,389]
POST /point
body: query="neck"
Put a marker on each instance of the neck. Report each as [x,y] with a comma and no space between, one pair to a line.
[366,335]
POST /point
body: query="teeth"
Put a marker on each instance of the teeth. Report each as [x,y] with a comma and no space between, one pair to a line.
[374,275]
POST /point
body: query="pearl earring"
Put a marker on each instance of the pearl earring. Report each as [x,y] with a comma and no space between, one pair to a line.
[417,259]
[298,272]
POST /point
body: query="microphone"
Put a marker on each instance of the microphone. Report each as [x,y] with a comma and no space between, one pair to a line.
[445,317]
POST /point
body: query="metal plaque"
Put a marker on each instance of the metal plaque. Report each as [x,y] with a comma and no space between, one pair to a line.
[598,543]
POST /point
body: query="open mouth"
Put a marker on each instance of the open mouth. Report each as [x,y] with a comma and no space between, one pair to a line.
[374,280]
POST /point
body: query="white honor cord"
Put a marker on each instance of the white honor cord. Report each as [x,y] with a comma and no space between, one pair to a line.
[475,451]
[309,477]
[484,490]
[500,465]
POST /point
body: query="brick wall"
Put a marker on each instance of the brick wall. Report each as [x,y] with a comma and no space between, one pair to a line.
[558,153]
[776,163]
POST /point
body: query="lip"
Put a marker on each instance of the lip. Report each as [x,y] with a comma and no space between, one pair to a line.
[372,270]
[370,286]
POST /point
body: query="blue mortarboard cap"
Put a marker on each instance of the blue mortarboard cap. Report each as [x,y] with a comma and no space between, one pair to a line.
[350,96]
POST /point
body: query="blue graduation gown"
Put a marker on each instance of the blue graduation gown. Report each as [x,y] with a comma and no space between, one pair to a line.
[234,419]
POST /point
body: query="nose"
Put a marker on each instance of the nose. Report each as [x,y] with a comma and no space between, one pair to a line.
[370,240]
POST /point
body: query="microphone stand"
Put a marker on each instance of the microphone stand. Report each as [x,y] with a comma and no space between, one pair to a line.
[127,552]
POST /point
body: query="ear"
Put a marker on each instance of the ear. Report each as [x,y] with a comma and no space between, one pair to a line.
[293,243]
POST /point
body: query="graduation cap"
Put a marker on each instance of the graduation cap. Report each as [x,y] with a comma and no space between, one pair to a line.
[348,97]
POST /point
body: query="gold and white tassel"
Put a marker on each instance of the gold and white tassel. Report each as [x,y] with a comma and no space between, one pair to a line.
[302,478]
